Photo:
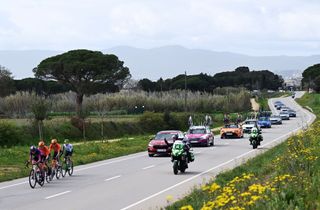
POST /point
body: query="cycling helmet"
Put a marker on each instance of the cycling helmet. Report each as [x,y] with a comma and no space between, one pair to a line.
[54,141]
[66,141]
[33,148]
[41,143]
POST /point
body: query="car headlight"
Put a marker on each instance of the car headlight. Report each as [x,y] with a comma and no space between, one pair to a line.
[150,145]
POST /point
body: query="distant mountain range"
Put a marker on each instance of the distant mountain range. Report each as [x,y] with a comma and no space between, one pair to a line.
[168,61]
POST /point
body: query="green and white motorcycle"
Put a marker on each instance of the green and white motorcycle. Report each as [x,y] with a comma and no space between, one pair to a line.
[255,138]
[179,157]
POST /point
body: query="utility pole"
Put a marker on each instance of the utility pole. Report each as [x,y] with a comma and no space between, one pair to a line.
[185,91]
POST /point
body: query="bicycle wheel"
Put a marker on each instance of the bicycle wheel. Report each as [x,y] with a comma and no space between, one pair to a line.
[58,172]
[70,168]
[40,178]
[64,169]
[32,178]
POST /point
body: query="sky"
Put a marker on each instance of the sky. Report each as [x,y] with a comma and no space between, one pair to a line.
[252,27]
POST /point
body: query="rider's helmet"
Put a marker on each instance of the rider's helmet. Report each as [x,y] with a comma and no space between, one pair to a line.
[54,141]
[66,141]
[32,149]
[254,130]
[41,143]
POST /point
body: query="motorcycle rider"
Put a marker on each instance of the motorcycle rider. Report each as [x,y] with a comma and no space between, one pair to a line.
[186,147]
[255,134]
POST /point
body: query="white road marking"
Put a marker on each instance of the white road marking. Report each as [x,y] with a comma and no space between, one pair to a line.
[13,185]
[148,167]
[176,185]
[58,194]
[108,163]
[226,143]
[115,177]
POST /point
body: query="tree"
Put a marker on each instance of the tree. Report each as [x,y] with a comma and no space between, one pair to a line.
[40,109]
[86,72]
[309,76]
[6,82]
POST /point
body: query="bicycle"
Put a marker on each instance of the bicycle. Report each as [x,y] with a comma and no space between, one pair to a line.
[36,174]
[67,166]
[56,169]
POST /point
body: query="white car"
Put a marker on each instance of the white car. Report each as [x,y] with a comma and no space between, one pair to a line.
[249,124]
[284,115]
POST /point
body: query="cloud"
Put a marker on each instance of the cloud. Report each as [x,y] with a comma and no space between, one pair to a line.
[212,24]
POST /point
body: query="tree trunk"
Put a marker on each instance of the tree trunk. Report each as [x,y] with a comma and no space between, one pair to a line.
[84,129]
[40,129]
[79,104]
[102,130]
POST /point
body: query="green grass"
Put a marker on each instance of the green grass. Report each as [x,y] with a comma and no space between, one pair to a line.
[288,176]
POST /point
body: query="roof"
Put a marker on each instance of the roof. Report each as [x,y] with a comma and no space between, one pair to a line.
[170,131]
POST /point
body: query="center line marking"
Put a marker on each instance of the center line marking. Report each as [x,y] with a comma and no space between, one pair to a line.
[55,195]
[148,167]
[115,177]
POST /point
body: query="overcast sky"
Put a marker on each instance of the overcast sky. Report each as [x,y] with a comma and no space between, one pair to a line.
[254,27]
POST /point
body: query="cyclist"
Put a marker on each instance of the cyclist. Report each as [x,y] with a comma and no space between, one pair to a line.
[67,149]
[56,149]
[44,154]
[35,154]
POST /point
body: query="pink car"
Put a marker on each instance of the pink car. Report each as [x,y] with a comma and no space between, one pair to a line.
[200,135]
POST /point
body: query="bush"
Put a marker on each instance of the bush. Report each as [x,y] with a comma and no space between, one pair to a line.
[9,134]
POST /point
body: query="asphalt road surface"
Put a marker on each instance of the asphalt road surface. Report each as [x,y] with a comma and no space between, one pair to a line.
[140,182]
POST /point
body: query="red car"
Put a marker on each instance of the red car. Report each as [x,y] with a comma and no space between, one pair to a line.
[157,144]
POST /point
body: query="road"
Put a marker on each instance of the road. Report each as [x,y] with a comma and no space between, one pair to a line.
[140,182]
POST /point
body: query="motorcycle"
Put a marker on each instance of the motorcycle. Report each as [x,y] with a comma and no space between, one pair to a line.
[179,157]
[255,139]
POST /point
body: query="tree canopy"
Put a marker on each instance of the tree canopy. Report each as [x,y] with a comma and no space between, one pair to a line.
[6,82]
[86,72]
[311,77]
[241,77]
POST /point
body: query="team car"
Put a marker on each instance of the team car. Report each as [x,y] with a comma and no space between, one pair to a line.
[276,120]
[249,124]
[264,122]
[157,145]
[200,135]
[231,131]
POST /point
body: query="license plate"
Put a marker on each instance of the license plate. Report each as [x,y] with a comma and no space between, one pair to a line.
[194,141]
[161,150]
[229,134]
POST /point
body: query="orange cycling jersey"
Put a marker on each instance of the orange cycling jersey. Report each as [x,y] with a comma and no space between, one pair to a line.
[44,150]
[56,147]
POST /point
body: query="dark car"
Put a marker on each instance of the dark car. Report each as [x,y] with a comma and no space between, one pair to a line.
[264,122]
[200,135]
[157,145]
[292,113]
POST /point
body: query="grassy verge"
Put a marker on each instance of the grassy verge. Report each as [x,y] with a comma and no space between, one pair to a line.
[285,177]
[13,159]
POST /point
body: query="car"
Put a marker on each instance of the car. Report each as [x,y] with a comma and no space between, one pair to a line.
[292,113]
[276,120]
[284,115]
[157,145]
[264,122]
[249,124]
[231,131]
[200,135]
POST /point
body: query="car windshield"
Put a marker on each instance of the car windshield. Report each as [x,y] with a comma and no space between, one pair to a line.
[250,122]
[197,131]
[263,119]
[283,112]
[164,136]
[275,116]
[231,126]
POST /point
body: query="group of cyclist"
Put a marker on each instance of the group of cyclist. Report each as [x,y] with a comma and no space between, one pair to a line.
[42,153]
